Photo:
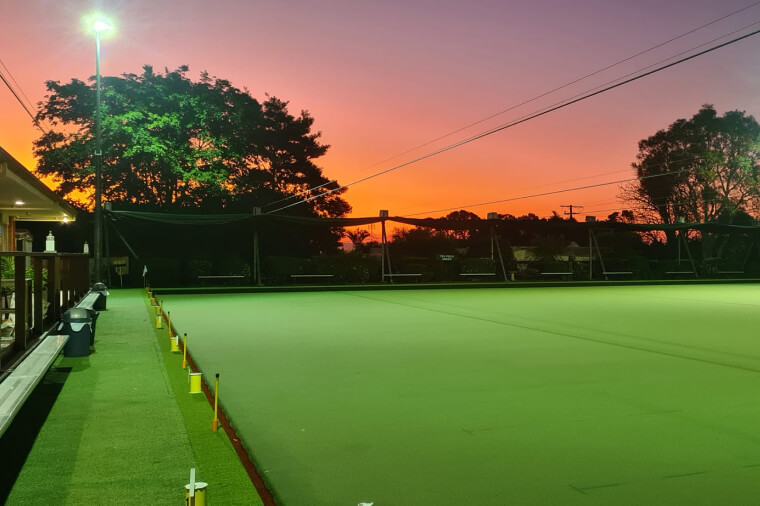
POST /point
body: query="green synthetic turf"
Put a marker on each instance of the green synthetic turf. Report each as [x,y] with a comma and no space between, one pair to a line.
[218,464]
[573,395]
[116,433]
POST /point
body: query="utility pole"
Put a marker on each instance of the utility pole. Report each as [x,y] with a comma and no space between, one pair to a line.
[571,212]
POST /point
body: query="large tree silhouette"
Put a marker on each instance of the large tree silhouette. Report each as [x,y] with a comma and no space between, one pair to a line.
[171,143]
[701,169]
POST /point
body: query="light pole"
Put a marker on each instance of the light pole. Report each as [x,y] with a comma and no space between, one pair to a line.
[99,26]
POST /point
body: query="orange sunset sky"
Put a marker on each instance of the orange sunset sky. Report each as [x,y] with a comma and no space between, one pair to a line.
[381,78]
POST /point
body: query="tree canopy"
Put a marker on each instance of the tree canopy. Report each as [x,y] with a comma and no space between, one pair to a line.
[171,143]
[701,169]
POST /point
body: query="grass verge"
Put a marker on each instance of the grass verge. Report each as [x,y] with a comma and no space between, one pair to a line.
[218,463]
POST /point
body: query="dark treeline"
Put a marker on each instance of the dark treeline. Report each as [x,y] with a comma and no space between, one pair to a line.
[174,145]
[445,249]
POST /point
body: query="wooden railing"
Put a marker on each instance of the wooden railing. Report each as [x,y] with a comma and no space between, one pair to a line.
[67,282]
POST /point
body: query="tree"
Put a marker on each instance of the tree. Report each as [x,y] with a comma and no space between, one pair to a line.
[699,169]
[421,242]
[461,215]
[357,238]
[549,248]
[557,218]
[625,216]
[170,143]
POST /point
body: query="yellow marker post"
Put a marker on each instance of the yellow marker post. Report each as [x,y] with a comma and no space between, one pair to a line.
[184,352]
[195,382]
[169,323]
[215,424]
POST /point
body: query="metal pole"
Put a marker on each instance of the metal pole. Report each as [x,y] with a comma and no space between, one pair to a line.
[679,246]
[688,252]
[98,160]
[256,252]
[105,208]
[492,236]
[382,252]
[599,249]
[501,259]
[256,258]
[590,256]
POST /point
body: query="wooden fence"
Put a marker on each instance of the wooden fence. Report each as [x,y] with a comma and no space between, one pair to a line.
[43,287]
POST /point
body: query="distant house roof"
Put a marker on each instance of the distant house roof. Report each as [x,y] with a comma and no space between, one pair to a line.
[25,197]
[528,253]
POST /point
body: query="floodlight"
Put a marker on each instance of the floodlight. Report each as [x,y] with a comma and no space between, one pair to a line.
[102,25]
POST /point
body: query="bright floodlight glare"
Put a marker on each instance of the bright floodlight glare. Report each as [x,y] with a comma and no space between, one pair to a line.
[97,23]
[101,25]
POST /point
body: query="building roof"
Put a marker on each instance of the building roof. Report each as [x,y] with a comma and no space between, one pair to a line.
[25,197]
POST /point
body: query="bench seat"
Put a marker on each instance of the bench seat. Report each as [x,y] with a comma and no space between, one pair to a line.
[295,277]
[222,277]
[89,301]
[473,276]
[402,275]
[18,385]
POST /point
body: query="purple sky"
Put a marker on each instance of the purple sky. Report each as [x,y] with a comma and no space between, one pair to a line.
[383,77]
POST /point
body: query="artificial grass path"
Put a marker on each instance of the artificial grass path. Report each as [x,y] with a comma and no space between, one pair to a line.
[573,396]
[123,428]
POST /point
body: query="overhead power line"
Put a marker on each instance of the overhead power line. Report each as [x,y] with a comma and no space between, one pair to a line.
[525,102]
[554,192]
[585,187]
[18,98]
[570,83]
[649,208]
[524,119]
[8,71]
[593,176]
[15,94]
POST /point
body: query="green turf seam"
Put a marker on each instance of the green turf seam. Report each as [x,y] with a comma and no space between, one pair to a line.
[636,347]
